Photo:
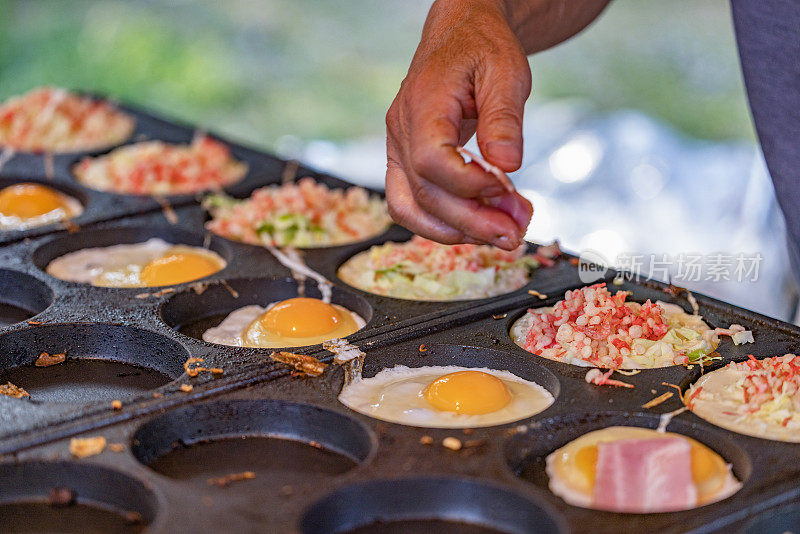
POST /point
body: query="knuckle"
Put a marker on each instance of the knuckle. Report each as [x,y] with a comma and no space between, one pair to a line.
[423,194]
[423,161]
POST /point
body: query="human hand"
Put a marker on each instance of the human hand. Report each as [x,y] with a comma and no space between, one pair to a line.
[469,74]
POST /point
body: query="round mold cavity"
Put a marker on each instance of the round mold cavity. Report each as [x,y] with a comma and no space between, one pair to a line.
[514,317]
[365,246]
[440,504]
[282,443]
[68,497]
[192,313]
[21,297]
[463,356]
[103,362]
[73,192]
[526,451]
[776,521]
[128,235]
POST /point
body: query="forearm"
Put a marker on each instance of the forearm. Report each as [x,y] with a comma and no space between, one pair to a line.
[541,24]
[538,24]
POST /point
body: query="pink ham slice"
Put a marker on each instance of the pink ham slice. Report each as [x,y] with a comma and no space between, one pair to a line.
[644,476]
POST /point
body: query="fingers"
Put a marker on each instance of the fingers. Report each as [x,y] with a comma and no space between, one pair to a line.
[436,127]
[405,211]
[501,89]
[515,206]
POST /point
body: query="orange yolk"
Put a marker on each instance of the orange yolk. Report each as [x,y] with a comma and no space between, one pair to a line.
[468,392]
[708,468]
[178,268]
[29,200]
[301,317]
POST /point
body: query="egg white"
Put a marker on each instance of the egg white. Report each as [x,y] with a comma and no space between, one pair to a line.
[232,329]
[396,395]
[117,265]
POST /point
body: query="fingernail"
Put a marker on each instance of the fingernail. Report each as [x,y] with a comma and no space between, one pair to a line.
[493,191]
[506,242]
[506,152]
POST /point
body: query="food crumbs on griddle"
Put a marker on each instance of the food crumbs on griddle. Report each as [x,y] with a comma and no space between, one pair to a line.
[233,292]
[186,388]
[116,447]
[166,208]
[658,400]
[467,431]
[574,261]
[474,443]
[70,227]
[454,444]
[540,296]
[423,348]
[61,496]
[165,291]
[227,480]
[287,491]
[196,370]
[85,447]
[46,360]
[157,395]
[35,322]
[133,518]
[302,363]
[499,316]
[207,501]
[315,444]
[10,390]
[116,405]
[426,440]
[199,287]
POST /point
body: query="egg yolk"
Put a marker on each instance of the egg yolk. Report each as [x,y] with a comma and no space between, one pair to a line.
[708,468]
[29,200]
[177,268]
[301,317]
[468,392]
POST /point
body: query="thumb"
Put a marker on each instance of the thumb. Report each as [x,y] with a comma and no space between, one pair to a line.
[501,90]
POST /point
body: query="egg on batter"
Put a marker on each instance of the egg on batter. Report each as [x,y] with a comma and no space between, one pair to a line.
[296,322]
[446,396]
[638,470]
[26,205]
[150,264]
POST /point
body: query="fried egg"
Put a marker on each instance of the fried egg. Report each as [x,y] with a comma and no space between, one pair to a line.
[572,468]
[446,396]
[150,264]
[296,322]
[26,205]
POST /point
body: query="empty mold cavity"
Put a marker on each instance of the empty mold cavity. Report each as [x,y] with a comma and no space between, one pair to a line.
[526,450]
[193,312]
[281,443]
[102,361]
[108,237]
[439,504]
[21,297]
[65,497]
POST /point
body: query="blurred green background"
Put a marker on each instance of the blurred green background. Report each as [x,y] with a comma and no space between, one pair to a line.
[260,70]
